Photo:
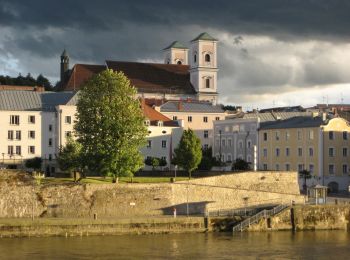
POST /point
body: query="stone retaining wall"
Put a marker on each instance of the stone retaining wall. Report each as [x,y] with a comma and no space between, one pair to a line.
[22,199]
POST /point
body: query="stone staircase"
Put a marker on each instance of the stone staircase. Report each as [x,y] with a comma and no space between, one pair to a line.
[257,217]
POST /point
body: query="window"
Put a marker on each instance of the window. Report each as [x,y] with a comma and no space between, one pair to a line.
[18,135]
[287,151]
[311,168]
[14,120]
[249,144]
[18,150]
[147,123]
[174,118]
[277,167]
[265,152]
[50,157]
[345,152]
[331,152]
[207,58]
[163,143]
[10,135]
[206,146]
[311,152]
[287,167]
[68,133]
[345,135]
[249,158]
[299,135]
[300,151]
[207,83]
[206,133]
[68,120]
[229,142]
[195,58]
[277,152]
[179,62]
[50,141]
[10,149]
[300,167]
[31,119]
[345,169]
[331,169]
[31,134]
[205,119]
[189,118]
[50,128]
[149,143]
[265,136]
[223,142]
[240,144]
[277,136]
[217,118]
[31,149]
[159,123]
[287,136]
[229,158]
[265,167]
[311,135]
[164,158]
[331,135]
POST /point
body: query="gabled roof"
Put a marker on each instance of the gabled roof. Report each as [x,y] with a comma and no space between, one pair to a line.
[155,77]
[294,122]
[204,37]
[176,45]
[80,74]
[273,116]
[190,106]
[17,100]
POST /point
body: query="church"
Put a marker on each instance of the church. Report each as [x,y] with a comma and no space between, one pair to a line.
[186,74]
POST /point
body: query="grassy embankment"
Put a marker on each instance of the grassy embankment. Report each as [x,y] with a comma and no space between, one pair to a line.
[101,180]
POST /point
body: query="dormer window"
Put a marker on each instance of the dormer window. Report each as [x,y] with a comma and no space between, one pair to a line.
[147,122]
[160,123]
[207,58]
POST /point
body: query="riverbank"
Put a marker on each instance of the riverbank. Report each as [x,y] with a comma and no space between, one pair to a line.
[39,227]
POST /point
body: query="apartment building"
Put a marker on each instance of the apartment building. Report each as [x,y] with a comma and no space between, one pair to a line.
[196,115]
[316,144]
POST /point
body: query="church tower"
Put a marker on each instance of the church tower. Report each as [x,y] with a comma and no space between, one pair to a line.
[176,53]
[203,67]
[64,64]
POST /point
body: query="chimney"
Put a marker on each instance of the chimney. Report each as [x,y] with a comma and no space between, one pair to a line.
[180,105]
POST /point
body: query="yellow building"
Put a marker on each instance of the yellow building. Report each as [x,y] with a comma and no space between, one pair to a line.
[311,143]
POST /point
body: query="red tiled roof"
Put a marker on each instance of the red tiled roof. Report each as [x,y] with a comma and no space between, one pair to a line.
[146,77]
[81,73]
[154,116]
[16,87]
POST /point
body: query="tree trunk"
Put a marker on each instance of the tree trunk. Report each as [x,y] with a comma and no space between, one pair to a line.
[115,179]
[189,174]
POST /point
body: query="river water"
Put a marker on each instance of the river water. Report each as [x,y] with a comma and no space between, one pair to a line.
[265,245]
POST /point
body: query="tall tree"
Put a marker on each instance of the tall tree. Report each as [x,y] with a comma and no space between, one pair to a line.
[69,157]
[110,125]
[305,174]
[188,154]
[44,82]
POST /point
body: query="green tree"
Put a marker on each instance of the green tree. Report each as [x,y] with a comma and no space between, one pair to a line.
[208,161]
[44,82]
[110,125]
[240,165]
[69,157]
[188,154]
[305,174]
[34,163]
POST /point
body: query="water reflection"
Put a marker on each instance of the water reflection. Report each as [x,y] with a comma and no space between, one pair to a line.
[268,245]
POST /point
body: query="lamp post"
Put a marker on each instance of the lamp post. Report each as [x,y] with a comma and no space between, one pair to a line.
[220,147]
[175,167]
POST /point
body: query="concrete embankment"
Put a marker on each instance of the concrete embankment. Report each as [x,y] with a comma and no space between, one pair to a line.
[25,227]
[307,217]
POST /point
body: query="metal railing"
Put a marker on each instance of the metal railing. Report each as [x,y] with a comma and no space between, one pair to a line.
[232,212]
[257,217]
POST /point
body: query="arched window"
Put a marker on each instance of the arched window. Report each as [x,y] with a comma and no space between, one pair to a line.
[207,83]
[207,58]
[195,58]
[179,62]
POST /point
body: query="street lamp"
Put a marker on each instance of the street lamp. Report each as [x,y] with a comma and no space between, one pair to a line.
[175,167]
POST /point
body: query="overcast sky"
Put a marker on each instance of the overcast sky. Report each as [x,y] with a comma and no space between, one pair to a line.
[271,52]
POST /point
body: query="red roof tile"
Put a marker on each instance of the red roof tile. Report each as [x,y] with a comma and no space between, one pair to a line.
[154,116]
